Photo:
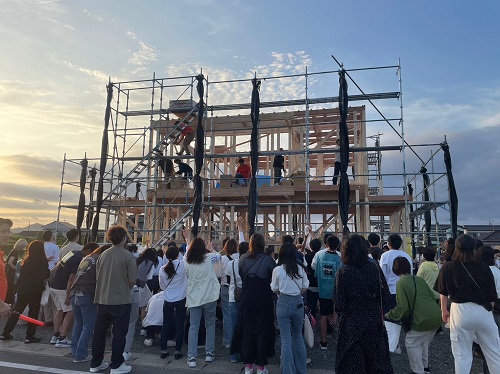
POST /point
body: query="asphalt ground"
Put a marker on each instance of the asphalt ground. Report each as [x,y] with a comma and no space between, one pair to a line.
[322,361]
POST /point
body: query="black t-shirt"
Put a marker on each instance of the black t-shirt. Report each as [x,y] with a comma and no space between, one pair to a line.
[313,281]
[279,161]
[68,265]
[85,280]
[8,270]
[184,169]
[455,282]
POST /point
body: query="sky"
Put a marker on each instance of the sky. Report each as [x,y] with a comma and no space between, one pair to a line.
[57,57]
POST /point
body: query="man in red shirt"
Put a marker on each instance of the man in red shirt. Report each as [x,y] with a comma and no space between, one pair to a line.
[242,172]
[5,225]
[186,136]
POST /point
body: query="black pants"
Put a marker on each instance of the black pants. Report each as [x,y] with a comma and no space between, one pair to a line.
[336,172]
[277,175]
[168,319]
[23,300]
[119,316]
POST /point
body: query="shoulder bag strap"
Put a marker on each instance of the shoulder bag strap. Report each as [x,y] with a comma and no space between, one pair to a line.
[472,277]
[171,279]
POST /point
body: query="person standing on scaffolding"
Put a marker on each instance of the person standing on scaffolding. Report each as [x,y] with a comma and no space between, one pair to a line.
[186,136]
[338,165]
[278,165]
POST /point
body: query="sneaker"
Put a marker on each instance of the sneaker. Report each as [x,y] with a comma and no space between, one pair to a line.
[143,332]
[249,370]
[397,351]
[227,346]
[233,359]
[6,337]
[209,357]
[170,343]
[53,340]
[265,371]
[79,360]
[103,366]
[148,342]
[123,368]
[127,356]
[324,346]
[65,343]
[32,339]
[192,362]
[178,355]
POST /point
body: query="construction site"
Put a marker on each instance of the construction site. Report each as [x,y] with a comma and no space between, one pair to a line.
[299,120]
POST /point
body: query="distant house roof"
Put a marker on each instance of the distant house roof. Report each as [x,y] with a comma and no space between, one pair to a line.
[59,225]
[493,237]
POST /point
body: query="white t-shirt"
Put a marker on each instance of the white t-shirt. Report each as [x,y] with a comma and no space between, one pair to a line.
[386,262]
[154,311]
[156,269]
[229,271]
[51,250]
[70,247]
[281,282]
[176,287]
[315,258]
[496,275]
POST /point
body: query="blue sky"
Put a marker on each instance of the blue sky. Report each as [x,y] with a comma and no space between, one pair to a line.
[58,55]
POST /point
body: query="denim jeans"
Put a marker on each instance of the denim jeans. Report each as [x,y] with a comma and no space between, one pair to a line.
[227,333]
[195,313]
[119,316]
[290,315]
[235,311]
[85,312]
[180,317]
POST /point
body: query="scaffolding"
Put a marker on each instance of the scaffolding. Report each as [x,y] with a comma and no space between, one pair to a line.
[297,114]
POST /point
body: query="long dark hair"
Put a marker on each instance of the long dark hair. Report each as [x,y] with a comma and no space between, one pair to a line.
[197,252]
[354,251]
[35,254]
[148,254]
[288,259]
[257,244]
[171,255]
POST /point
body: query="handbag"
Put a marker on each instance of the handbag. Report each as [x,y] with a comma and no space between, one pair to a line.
[45,295]
[406,322]
[308,332]
[237,290]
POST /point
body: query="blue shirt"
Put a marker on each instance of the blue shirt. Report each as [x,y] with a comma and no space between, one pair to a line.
[326,269]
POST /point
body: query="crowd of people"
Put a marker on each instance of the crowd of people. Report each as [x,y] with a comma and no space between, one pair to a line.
[362,295]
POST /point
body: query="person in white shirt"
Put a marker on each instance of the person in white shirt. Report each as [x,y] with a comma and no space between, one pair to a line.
[289,281]
[73,237]
[51,248]
[202,293]
[227,333]
[173,282]
[233,272]
[394,241]
[52,254]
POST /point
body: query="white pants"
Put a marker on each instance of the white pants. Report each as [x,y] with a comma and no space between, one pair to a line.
[469,320]
[417,346]
[393,332]
[134,315]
